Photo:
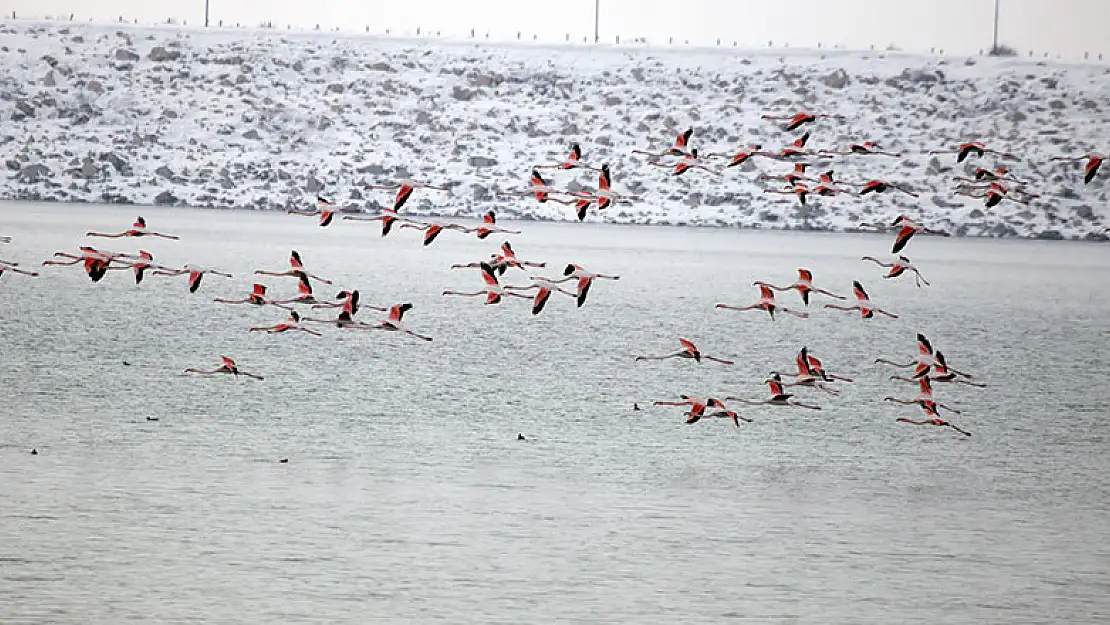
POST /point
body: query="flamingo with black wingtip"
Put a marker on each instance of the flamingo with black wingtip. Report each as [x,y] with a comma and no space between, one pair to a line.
[544,288]
[931,411]
[779,397]
[585,280]
[678,147]
[324,208]
[767,303]
[685,164]
[900,266]
[803,285]
[573,161]
[800,119]
[138,229]
[971,148]
[196,275]
[14,268]
[742,156]
[296,269]
[689,350]
[1090,169]
[227,366]
[404,190]
[863,304]
[292,323]
[867,148]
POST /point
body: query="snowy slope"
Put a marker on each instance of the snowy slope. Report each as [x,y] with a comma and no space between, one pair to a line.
[268,120]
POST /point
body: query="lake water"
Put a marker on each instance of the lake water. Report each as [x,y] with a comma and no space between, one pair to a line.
[407,497]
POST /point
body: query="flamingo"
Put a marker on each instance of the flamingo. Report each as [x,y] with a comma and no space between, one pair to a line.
[393,322]
[141,263]
[742,156]
[324,208]
[544,288]
[138,229]
[766,302]
[689,350]
[922,365]
[348,300]
[404,190]
[585,280]
[257,297]
[1000,174]
[799,189]
[388,217]
[698,407]
[604,197]
[899,267]
[881,186]
[14,268]
[800,119]
[804,286]
[778,396]
[678,148]
[685,164]
[992,194]
[304,293]
[1090,170]
[94,261]
[866,148]
[573,161]
[228,366]
[817,369]
[795,149]
[493,291]
[196,274]
[806,375]
[925,393]
[296,269]
[795,176]
[293,323]
[863,304]
[971,148]
[541,190]
[906,229]
[930,410]
[488,227]
[432,229]
[349,305]
[941,372]
[509,259]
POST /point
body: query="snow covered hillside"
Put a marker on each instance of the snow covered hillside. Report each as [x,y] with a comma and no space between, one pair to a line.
[268,120]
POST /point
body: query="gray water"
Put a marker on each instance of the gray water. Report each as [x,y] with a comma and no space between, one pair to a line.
[407,497]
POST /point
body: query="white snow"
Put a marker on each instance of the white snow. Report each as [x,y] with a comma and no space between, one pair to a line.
[264,119]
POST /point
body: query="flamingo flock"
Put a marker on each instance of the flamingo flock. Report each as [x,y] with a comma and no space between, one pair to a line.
[499,286]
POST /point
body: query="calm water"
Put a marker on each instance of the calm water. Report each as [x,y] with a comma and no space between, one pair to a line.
[407,497]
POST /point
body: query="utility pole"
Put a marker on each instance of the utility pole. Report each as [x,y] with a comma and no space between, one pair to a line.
[995,46]
[206,13]
[597,18]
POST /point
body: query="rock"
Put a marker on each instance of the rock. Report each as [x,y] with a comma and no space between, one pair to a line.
[373,170]
[462,94]
[165,198]
[121,166]
[1084,212]
[612,100]
[969,62]
[355,194]
[335,88]
[312,185]
[837,80]
[169,114]
[1057,105]
[252,135]
[123,54]
[1016,117]
[95,87]
[481,161]
[164,172]
[89,170]
[49,80]
[323,123]
[638,74]
[12,164]
[1051,235]
[26,109]
[382,67]
[33,173]
[423,118]
[158,54]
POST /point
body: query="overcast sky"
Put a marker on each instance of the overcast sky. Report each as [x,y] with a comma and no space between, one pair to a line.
[1067,27]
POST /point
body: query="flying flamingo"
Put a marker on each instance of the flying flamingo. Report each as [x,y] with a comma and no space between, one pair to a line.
[930,410]
[1000,174]
[899,267]
[488,227]
[925,393]
[678,148]
[794,177]
[585,280]
[938,372]
[325,209]
[196,274]
[573,161]
[971,148]
[293,323]
[800,119]
[296,270]
[795,149]
[799,189]
[806,375]
[304,293]
[698,407]
[404,190]
[867,148]
[14,268]
[688,351]
[541,190]
[138,229]
[778,396]
[922,365]
[257,297]
[348,303]
[94,261]
[492,291]
[881,186]
[685,164]
[139,265]
[1090,170]
[992,194]
[228,366]
[742,156]
[348,300]
[906,229]
[863,304]
[804,286]
[432,229]
[544,288]
[766,302]
[393,322]
[388,217]
[817,369]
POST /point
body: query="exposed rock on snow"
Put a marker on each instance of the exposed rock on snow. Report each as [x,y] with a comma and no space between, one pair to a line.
[210,118]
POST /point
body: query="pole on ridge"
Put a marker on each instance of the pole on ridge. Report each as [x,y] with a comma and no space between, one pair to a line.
[995,46]
[206,13]
[597,18]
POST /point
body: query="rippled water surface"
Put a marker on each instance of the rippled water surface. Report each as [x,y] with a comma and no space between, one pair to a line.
[408,498]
